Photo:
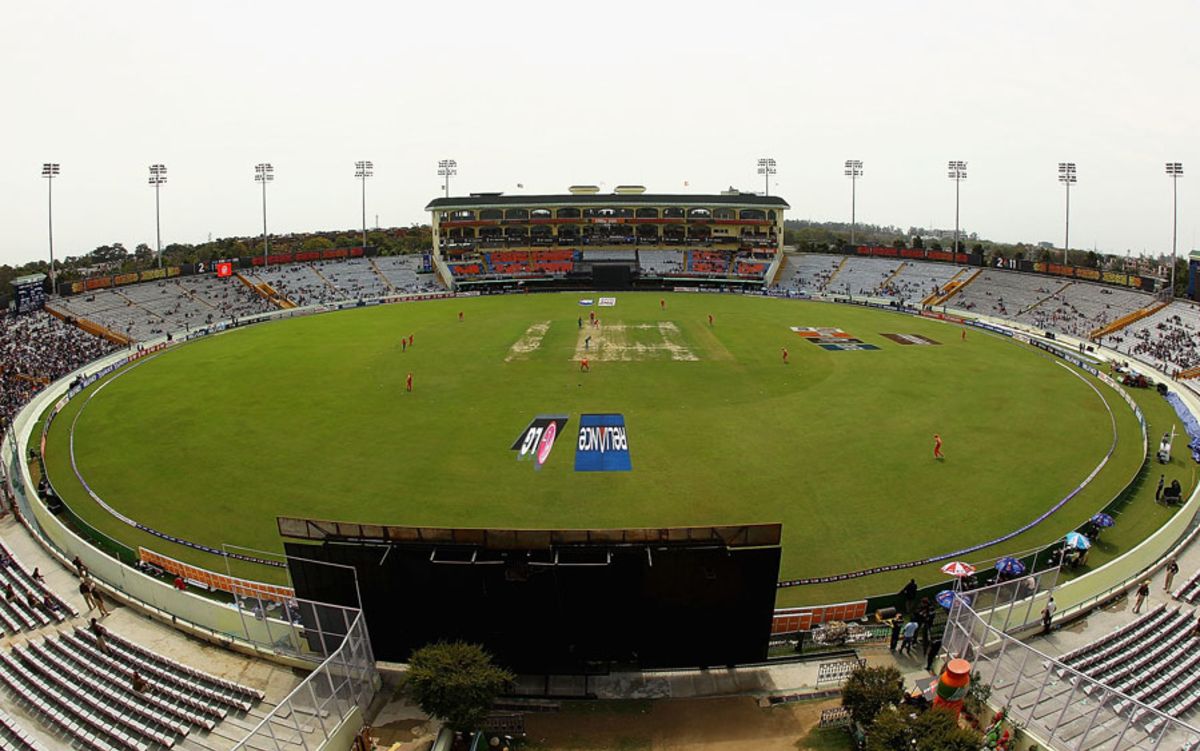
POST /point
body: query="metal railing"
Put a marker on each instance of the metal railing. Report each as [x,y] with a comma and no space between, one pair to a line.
[311,714]
[1062,708]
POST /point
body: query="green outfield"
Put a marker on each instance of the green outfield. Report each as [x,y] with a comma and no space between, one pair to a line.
[310,417]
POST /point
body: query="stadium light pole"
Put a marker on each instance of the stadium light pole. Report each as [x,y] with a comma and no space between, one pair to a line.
[264,173]
[447,168]
[50,171]
[363,170]
[158,178]
[1174,171]
[854,170]
[956,171]
[766,168]
[1066,176]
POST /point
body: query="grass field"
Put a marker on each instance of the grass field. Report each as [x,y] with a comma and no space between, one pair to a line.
[309,417]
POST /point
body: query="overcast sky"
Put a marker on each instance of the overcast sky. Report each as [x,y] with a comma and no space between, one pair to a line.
[556,93]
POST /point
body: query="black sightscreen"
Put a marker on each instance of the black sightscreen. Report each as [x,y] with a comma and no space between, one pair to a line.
[612,276]
[672,607]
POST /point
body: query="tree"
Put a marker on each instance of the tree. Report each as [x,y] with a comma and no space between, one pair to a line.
[898,243]
[869,690]
[932,730]
[456,682]
[917,242]
[316,243]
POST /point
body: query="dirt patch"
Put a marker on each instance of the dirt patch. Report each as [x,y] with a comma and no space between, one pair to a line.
[618,342]
[673,725]
[529,341]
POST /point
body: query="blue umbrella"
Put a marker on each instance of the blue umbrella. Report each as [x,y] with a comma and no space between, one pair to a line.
[1103,520]
[1010,566]
[1077,541]
[945,598]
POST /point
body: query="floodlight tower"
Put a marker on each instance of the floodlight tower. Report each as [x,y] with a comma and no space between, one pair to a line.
[956,170]
[1174,171]
[854,170]
[1066,176]
[766,168]
[263,174]
[158,178]
[363,170]
[50,171]
[447,168]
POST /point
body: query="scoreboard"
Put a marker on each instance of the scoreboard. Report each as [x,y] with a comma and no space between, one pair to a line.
[29,293]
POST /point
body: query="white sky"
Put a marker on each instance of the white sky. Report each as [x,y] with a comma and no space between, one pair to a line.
[555,93]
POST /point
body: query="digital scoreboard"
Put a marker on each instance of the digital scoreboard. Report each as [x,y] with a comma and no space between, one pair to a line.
[29,293]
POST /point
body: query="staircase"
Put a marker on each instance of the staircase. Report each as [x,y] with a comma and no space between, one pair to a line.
[836,271]
[267,292]
[952,288]
[883,285]
[382,277]
[90,327]
[1120,323]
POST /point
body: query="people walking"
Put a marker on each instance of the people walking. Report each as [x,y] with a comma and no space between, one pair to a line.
[1048,614]
[1172,569]
[897,625]
[1143,591]
[910,636]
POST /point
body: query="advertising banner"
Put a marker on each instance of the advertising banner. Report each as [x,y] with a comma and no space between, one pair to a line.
[602,445]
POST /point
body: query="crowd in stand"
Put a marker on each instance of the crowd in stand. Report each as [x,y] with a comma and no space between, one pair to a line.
[1171,344]
[35,349]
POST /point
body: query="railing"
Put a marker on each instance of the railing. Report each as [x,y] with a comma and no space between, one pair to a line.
[1060,707]
[313,713]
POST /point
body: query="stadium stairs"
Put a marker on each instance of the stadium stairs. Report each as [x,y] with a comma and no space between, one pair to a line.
[193,296]
[1127,319]
[835,273]
[382,277]
[1050,296]
[952,288]
[884,284]
[90,327]
[267,292]
[325,280]
[138,305]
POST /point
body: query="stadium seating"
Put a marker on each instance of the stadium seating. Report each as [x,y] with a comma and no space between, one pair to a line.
[1081,307]
[25,603]
[35,349]
[15,737]
[1004,293]
[809,272]
[1189,591]
[917,280]
[659,262]
[1169,339]
[85,691]
[1154,660]
[862,276]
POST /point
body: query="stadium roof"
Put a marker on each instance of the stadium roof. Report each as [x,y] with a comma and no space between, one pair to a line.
[480,200]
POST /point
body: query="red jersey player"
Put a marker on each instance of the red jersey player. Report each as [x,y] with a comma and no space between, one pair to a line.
[964,335]
[408,383]
[937,447]
[785,356]
[662,304]
[410,339]
[585,366]
[710,319]
[460,316]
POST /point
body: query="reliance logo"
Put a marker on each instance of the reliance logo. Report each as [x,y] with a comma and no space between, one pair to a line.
[603,445]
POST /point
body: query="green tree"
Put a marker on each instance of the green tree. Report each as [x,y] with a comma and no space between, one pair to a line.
[316,243]
[917,242]
[869,690]
[898,243]
[932,730]
[455,682]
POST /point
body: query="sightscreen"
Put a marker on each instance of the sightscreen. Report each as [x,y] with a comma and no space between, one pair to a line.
[568,609]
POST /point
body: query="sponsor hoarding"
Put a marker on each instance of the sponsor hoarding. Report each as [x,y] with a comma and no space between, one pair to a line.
[602,444]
